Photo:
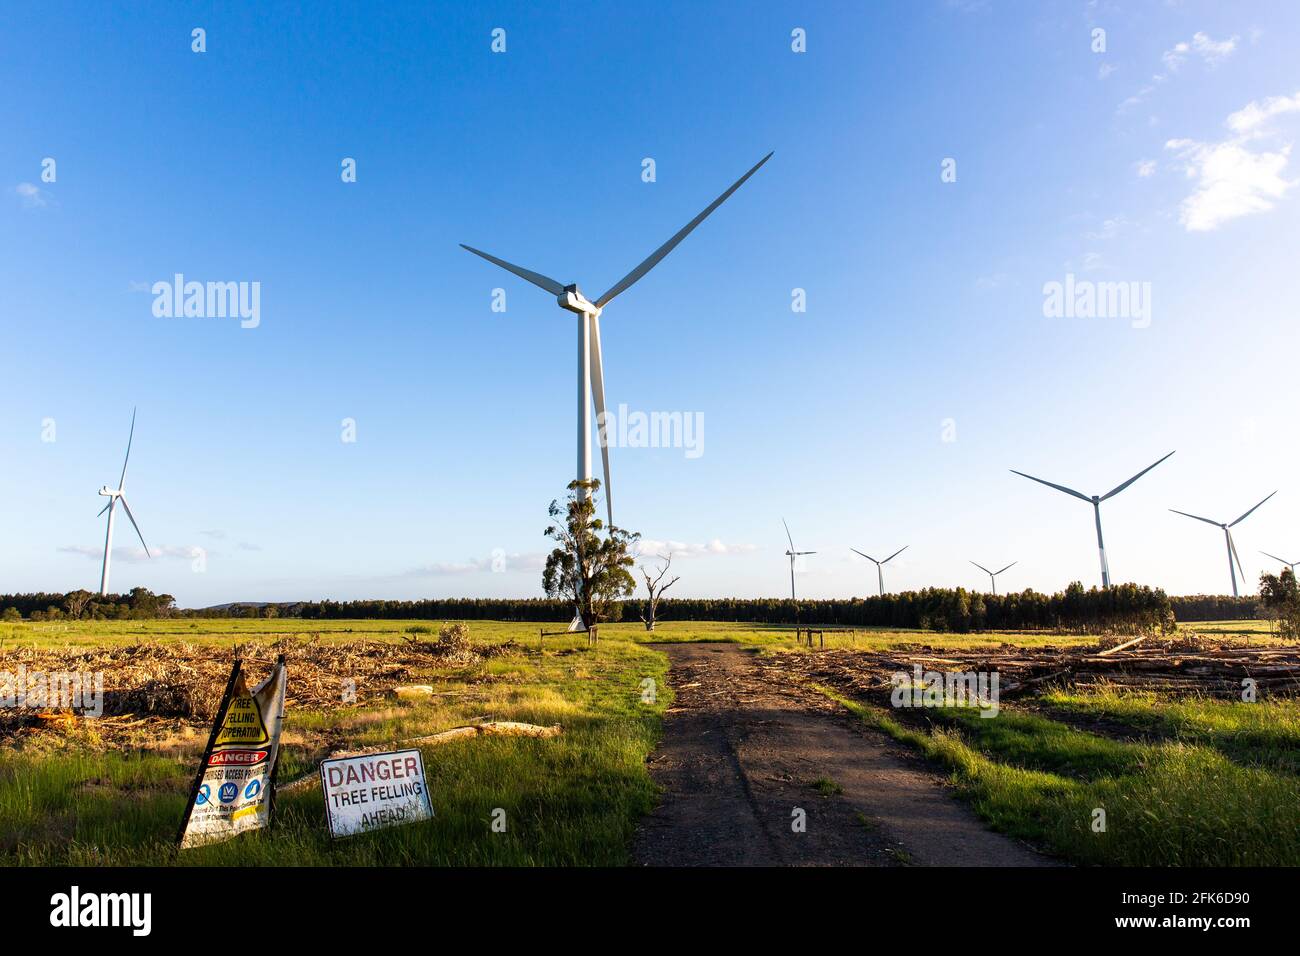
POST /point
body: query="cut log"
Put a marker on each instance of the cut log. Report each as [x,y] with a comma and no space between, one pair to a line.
[1119,647]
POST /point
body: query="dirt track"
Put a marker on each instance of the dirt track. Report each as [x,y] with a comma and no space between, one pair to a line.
[740,754]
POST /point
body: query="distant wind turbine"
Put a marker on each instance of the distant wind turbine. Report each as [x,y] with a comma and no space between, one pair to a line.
[793,556]
[993,575]
[1095,501]
[1289,564]
[880,574]
[114,496]
[591,376]
[1227,537]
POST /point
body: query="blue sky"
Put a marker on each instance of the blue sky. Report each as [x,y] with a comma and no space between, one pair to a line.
[1163,160]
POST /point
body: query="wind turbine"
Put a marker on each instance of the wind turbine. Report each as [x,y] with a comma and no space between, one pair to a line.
[1095,501]
[880,574]
[1227,537]
[114,496]
[993,575]
[792,552]
[591,376]
[1289,564]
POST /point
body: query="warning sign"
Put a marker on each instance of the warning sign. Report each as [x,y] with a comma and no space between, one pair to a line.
[233,789]
[243,725]
[374,791]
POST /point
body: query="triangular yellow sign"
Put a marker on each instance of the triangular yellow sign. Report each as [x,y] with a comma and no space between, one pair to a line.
[243,725]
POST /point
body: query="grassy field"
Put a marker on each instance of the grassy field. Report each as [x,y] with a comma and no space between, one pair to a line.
[575,799]
[1181,781]
[1192,781]
[101,633]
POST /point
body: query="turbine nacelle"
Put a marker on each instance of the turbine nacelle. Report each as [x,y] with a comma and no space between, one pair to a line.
[574,301]
[108,492]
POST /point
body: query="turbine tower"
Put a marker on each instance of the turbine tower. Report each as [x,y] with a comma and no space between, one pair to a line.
[591,376]
[880,574]
[1289,564]
[1095,501]
[993,575]
[114,496]
[1227,537]
[793,556]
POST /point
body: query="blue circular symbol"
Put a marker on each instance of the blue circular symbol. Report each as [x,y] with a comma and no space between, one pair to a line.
[205,792]
[253,789]
[228,792]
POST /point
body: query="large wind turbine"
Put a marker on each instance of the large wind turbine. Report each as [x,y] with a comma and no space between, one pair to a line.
[993,575]
[1227,537]
[792,552]
[880,574]
[1095,501]
[114,496]
[591,378]
[1289,564]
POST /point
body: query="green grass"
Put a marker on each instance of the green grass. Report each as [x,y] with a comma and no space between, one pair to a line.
[1263,734]
[232,630]
[1216,784]
[826,787]
[1166,804]
[570,800]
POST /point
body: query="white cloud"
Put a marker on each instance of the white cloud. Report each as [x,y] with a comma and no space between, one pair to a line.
[1145,167]
[1211,52]
[650,547]
[1233,180]
[1105,70]
[506,562]
[1250,119]
[1109,228]
[32,195]
[185,552]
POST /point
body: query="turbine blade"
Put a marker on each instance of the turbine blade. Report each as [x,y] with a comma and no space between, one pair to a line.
[981,567]
[106,507]
[1197,517]
[1118,488]
[895,554]
[1068,491]
[1011,565]
[536,278]
[598,393]
[654,257]
[787,535]
[1232,546]
[134,525]
[121,482]
[1248,513]
[1265,553]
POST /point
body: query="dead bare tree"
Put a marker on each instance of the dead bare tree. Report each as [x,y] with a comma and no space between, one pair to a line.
[656,588]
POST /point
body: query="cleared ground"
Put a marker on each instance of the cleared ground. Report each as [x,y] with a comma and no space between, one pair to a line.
[759,729]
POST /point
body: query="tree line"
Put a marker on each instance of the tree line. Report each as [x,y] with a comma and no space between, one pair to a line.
[140,603]
[1122,608]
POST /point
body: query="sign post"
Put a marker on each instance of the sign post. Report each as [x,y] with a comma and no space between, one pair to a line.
[233,790]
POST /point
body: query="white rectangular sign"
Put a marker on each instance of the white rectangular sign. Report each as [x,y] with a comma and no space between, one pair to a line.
[374,791]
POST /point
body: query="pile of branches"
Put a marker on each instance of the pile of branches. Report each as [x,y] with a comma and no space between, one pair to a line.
[1178,666]
[184,680]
